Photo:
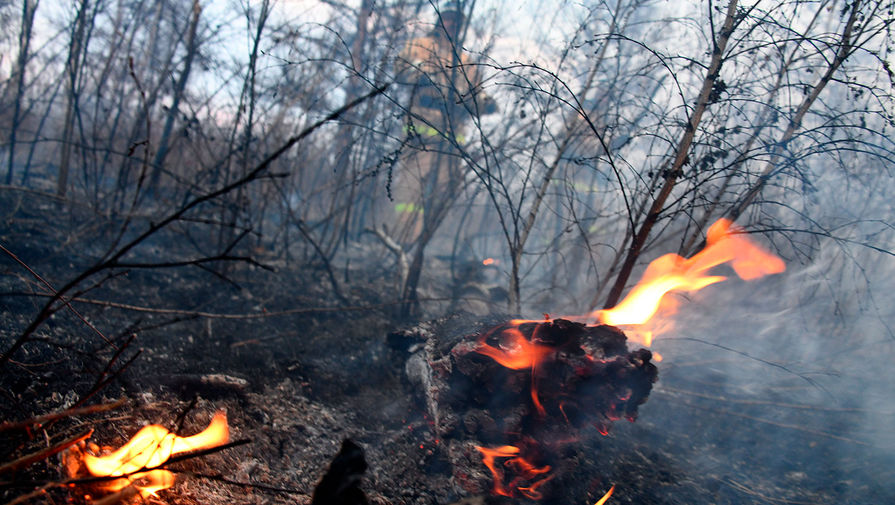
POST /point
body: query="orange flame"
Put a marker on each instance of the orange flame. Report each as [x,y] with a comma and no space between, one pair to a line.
[151,447]
[517,353]
[524,471]
[606,496]
[724,244]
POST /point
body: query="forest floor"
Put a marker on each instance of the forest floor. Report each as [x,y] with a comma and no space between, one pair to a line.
[297,372]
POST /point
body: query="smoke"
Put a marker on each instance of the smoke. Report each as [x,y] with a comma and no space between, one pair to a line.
[792,373]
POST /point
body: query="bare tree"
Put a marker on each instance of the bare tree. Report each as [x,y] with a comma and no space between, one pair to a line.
[164,143]
[719,46]
[28,9]
[77,49]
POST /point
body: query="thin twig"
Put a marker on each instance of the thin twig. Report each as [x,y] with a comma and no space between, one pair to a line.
[112,360]
[259,315]
[263,487]
[121,496]
[780,366]
[201,453]
[44,453]
[100,385]
[25,498]
[50,287]
[781,425]
[798,406]
[93,480]
[71,412]
[181,418]
[741,487]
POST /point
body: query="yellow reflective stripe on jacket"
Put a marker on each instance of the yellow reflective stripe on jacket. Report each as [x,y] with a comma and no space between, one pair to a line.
[408,207]
[428,131]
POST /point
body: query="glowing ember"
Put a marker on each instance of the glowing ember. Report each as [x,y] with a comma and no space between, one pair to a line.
[517,353]
[514,351]
[525,473]
[606,496]
[583,374]
[724,244]
[151,447]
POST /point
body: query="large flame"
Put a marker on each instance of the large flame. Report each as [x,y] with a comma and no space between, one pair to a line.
[527,477]
[725,243]
[151,447]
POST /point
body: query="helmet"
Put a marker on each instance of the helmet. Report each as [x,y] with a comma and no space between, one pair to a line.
[452,9]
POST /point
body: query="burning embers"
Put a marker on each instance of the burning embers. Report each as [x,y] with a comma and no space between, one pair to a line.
[137,461]
[576,373]
[510,398]
[559,376]
[527,478]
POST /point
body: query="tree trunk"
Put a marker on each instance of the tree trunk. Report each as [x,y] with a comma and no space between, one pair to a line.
[179,87]
[73,66]
[681,157]
[28,9]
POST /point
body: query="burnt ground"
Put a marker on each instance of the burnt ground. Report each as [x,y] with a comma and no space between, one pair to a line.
[297,377]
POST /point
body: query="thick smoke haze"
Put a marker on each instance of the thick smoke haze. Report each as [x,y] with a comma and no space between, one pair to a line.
[423,158]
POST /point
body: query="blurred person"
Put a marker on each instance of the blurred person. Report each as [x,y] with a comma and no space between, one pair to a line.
[445,93]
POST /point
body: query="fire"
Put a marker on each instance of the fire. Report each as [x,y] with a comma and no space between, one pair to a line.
[518,353]
[724,244]
[514,351]
[524,471]
[508,345]
[149,448]
[606,496]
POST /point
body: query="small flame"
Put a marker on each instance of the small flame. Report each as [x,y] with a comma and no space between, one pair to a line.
[606,496]
[151,447]
[724,244]
[514,351]
[524,471]
[518,353]
[489,261]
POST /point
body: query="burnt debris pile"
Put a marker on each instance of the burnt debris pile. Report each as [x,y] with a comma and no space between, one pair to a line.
[505,401]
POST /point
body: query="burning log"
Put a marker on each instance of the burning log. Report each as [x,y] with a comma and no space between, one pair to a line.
[507,399]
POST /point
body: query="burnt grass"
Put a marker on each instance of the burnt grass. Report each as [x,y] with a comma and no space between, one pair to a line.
[298,371]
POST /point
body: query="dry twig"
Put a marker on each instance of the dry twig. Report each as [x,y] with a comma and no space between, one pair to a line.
[71,412]
[44,453]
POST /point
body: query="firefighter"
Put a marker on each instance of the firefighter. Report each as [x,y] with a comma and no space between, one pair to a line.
[445,92]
